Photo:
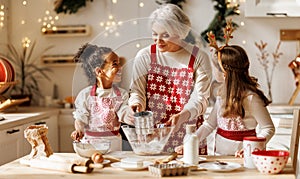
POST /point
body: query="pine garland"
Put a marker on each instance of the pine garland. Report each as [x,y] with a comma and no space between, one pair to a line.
[69,6]
[219,21]
[176,2]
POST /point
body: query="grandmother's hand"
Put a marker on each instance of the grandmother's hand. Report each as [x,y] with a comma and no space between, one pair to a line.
[136,108]
[177,119]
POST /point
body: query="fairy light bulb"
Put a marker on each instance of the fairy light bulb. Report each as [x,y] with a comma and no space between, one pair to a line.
[114,1]
[48,21]
[26,42]
[24,3]
[141,4]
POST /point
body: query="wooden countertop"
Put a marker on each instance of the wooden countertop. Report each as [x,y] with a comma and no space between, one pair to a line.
[16,170]
[22,115]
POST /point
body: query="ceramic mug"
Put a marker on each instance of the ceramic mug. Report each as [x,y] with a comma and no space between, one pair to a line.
[251,144]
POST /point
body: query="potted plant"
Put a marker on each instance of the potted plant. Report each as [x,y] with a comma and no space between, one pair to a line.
[28,71]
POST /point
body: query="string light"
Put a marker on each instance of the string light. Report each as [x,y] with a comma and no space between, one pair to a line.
[111,24]
[2,15]
[140,5]
[48,21]
[26,42]
[24,3]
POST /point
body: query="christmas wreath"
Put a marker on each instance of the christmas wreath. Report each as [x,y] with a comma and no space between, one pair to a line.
[69,6]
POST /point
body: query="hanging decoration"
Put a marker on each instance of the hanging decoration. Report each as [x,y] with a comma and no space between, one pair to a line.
[111,24]
[69,6]
[224,9]
[48,21]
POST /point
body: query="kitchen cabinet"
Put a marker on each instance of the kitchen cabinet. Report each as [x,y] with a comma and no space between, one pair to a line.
[66,127]
[272,8]
[11,144]
[52,135]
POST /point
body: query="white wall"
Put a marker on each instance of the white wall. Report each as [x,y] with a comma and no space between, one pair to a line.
[201,13]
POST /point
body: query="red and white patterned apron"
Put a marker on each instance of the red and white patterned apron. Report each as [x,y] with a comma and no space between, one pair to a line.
[103,119]
[168,90]
[230,133]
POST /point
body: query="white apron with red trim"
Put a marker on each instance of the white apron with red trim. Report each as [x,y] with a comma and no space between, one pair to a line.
[104,123]
[230,133]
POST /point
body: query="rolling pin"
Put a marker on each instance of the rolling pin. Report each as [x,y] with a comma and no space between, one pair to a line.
[167,159]
[59,166]
[78,161]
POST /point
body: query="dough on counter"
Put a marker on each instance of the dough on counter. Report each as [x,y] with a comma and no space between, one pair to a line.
[36,135]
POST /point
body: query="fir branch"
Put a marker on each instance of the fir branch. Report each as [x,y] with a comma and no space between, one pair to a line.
[69,6]
[219,20]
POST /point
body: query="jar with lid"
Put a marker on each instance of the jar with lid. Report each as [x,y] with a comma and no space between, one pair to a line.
[190,146]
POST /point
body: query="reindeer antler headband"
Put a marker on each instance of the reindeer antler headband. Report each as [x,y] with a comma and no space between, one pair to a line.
[227,36]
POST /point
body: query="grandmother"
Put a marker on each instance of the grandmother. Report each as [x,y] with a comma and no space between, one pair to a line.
[171,77]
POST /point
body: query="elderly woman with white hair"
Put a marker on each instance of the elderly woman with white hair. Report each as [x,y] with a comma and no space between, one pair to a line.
[171,77]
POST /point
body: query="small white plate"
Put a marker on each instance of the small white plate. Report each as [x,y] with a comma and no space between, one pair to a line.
[199,159]
[213,166]
[118,165]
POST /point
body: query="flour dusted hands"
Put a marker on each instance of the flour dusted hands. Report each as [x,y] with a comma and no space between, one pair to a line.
[77,135]
[177,119]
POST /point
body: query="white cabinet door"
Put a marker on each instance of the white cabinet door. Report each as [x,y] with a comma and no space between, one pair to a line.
[66,127]
[11,144]
[52,135]
[272,8]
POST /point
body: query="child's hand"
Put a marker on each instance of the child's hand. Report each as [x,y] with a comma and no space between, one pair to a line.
[77,135]
[239,153]
[179,150]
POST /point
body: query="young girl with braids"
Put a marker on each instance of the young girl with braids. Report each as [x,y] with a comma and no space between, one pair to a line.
[100,106]
[240,106]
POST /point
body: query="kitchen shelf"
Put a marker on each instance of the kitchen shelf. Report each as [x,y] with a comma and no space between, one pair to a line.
[290,34]
[67,31]
[58,60]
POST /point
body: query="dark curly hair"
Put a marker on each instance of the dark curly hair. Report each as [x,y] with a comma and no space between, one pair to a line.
[91,56]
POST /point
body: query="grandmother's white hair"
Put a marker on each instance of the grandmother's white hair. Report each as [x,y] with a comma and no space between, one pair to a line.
[175,21]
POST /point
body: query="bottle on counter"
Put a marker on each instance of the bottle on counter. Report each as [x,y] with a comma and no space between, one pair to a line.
[190,146]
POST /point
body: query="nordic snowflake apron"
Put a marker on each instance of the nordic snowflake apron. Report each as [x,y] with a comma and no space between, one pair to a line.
[103,121]
[168,90]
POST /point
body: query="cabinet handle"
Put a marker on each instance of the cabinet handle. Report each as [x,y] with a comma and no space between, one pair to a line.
[13,131]
[39,123]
